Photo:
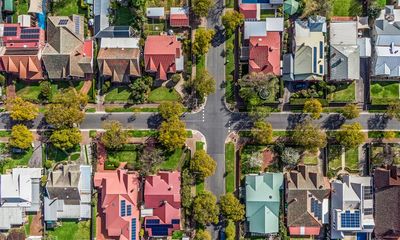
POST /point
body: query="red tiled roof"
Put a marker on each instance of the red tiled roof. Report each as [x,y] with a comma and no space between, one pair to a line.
[265,53]
[248,10]
[162,194]
[160,54]
[115,186]
[179,20]
[304,231]
[88,48]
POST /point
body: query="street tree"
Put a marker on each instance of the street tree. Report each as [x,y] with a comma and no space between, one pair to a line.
[205,208]
[202,165]
[259,113]
[202,40]
[231,20]
[21,110]
[114,137]
[201,7]
[309,136]
[393,110]
[262,132]
[172,133]
[290,156]
[204,84]
[314,107]
[202,235]
[21,137]
[230,230]
[351,111]
[231,208]
[66,138]
[350,135]
[170,109]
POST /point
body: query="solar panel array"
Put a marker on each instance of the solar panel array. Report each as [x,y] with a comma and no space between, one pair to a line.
[128,210]
[367,192]
[29,30]
[159,230]
[133,229]
[63,22]
[350,220]
[316,208]
[10,31]
[123,205]
[175,221]
[29,36]
[77,24]
[152,221]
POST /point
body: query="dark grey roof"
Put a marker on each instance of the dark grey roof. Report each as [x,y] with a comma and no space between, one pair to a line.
[387,212]
[64,193]
[116,32]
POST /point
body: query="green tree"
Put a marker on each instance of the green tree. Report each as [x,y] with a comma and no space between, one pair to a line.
[150,158]
[230,230]
[350,135]
[309,136]
[258,88]
[205,208]
[351,111]
[231,208]
[21,137]
[389,135]
[140,89]
[186,191]
[202,165]
[204,84]
[70,97]
[202,40]
[66,138]
[262,132]
[231,20]
[290,156]
[170,109]
[201,7]
[172,133]
[393,110]
[202,235]
[314,107]
[315,7]
[114,137]
[259,113]
[45,90]
[21,110]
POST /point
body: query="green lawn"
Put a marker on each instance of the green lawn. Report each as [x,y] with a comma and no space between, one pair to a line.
[118,94]
[199,145]
[67,8]
[381,3]
[200,63]
[130,109]
[381,134]
[71,230]
[384,92]
[266,13]
[92,133]
[343,93]
[200,187]
[335,157]
[164,94]
[229,71]
[15,159]
[4,133]
[31,90]
[347,8]
[230,167]
[310,158]
[21,7]
[351,158]
[27,226]
[122,155]
[59,155]
[173,161]
[143,133]
[123,16]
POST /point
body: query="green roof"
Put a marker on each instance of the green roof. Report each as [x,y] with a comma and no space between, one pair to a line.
[290,7]
[9,5]
[263,202]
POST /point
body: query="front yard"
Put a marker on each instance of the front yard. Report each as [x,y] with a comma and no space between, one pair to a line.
[58,155]
[384,92]
[123,16]
[164,94]
[385,153]
[71,230]
[310,158]
[128,154]
[344,8]
[13,159]
[118,94]
[343,93]
[351,163]
[31,90]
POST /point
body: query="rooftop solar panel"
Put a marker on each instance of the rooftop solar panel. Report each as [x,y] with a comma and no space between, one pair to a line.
[9,34]
[63,22]
[133,229]
[30,30]
[12,29]
[29,36]
[350,219]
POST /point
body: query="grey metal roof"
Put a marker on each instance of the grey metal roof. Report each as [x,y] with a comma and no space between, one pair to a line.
[115,32]
[100,10]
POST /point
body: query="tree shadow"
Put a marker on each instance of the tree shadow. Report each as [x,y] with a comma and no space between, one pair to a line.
[378,121]
[294,119]
[219,37]
[333,121]
[154,121]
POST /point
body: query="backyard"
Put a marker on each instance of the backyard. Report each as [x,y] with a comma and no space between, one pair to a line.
[166,3]
[154,26]
[173,160]
[71,230]
[344,8]
[67,8]
[344,93]
[384,92]
[31,90]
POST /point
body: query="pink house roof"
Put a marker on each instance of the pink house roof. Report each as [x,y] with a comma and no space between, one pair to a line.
[162,194]
[119,196]
[179,20]
[265,53]
[248,10]
[304,231]
[88,48]
[160,53]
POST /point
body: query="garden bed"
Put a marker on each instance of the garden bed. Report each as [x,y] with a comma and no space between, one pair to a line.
[383,93]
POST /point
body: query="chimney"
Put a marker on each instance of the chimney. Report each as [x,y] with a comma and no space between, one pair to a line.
[292,201]
[170,188]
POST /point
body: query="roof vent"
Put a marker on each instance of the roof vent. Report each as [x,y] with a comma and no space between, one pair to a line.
[260,39]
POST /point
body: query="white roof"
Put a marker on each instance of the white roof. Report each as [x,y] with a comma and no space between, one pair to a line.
[365,46]
[24,20]
[274,24]
[119,43]
[155,12]
[343,33]
[86,178]
[179,10]
[260,28]
[10,216]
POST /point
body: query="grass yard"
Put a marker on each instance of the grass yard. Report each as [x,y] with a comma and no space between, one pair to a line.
[173,161]
[21,7]
[200,63]
[335,157]
[347,8]
[59,155]
[310,158]
[267,13]
[31,90]
[164,94]
[343,93]
[199,145]
[384,92]
[5,133]
[155,27]
[123,16]
[229,167]
[200,187]
[165,3]
[118,94]
[143,133]
[14,159]
[127,154]
[130,109]
[92,133]
[351,158]
[71,230]
[67,8]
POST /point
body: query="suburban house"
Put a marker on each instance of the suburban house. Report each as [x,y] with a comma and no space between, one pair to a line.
[352,207]
[263,203]
[179,17]
[307,60]
[263,4]
[118,58]
[21,51]
[67,55]
[163,56]
[387,203]
[386,35]
[101,10]
[162,204]
[68,194]
[19,194]
[118,204]
[155,12]
[262,45]
[250,11]
[307,200]
[116,32]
